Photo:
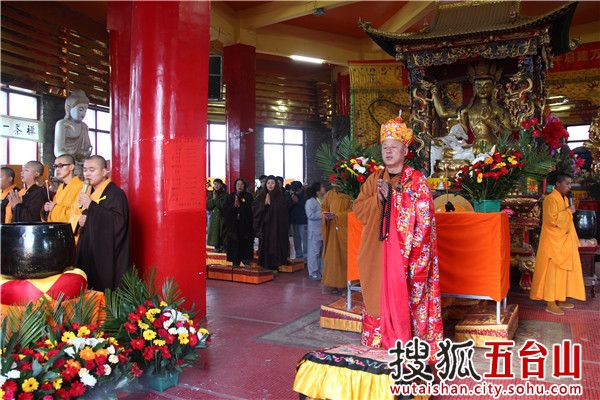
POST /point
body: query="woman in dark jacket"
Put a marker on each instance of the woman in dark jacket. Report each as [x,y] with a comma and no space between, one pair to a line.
[239,242]
[271,226]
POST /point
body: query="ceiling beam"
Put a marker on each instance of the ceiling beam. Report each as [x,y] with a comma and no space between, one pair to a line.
[407,16]
[274,12]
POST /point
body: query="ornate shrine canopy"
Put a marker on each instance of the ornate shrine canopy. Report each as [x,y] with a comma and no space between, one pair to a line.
[471,23]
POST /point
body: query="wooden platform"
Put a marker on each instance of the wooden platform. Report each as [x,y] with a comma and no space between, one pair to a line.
[336,316]
[254,275]
[217,259]
[479,324]
[292,266]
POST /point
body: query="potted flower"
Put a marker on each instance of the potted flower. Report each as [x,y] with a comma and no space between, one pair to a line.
[159,335]
[489,178]
[45,360]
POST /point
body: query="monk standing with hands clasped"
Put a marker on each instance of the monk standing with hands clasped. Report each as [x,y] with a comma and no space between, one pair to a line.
[398,253]
[558,272]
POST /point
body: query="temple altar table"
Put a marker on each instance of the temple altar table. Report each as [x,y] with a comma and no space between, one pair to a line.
[473,254]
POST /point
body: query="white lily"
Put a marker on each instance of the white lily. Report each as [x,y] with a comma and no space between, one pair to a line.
[113,359]
[88,380]
[13,374]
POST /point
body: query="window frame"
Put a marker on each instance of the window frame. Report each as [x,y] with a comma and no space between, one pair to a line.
[208,142]
[95,108]
[284,144]
[579,142]
[8,89]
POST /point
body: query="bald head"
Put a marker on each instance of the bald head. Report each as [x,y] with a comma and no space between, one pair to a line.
[8,177]
[31,172]
[95,170]
[101,161]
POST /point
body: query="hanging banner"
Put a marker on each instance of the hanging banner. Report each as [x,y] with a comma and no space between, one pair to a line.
[21,128]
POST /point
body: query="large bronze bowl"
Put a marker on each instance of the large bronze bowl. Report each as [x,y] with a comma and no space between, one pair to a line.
[36,250]
[585,223]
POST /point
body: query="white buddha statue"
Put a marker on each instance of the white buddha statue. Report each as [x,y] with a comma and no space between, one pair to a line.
[71,133]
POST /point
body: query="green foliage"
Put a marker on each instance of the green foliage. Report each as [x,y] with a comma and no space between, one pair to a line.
[536,159]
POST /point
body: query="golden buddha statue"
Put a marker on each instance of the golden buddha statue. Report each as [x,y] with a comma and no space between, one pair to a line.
[483,116]
[594,143]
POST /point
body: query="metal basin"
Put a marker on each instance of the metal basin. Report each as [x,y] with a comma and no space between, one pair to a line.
[36,250]
[585,223]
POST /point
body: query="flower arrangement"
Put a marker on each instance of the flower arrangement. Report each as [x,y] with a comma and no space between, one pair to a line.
[350,174]
[158,334]
[491,175]
[45,355]
[161,338]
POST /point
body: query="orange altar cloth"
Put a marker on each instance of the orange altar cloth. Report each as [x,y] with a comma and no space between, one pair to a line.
[473,252]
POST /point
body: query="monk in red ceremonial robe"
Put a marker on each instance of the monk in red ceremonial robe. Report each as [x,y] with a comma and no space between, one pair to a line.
[398,254]
[103,247]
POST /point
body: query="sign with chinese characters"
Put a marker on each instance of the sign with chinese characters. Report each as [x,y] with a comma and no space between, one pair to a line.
[21,128]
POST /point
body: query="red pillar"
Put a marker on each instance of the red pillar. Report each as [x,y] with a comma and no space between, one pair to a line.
[239,76]
[118,17]
[343,94]
[167,117]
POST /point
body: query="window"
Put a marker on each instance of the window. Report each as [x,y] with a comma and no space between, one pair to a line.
[578,134]
[19,103]
[284,153]
[98,122]
[216,151]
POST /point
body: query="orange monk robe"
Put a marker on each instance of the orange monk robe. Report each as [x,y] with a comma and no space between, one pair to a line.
[557,272]
[6,208]
[367,209]
[66,201]
[335,239]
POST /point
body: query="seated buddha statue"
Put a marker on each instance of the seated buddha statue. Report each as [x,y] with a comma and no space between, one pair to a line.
[482,116]
[455,152]
[71,133]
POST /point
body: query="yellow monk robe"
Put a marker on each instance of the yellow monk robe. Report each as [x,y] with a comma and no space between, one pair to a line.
[66,201]
[367,209]
[335,239]
[557,272]
[7,209]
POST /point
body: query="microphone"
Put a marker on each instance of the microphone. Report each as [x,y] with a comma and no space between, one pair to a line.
[570,196]
[84,188]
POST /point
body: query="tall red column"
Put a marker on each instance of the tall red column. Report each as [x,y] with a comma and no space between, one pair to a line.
[118,17]
[239,76]
[167,114]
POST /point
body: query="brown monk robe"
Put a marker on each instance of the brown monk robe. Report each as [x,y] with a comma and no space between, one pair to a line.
[335,238]
[369,258]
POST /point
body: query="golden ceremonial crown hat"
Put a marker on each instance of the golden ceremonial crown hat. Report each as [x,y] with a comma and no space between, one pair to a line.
[396,129]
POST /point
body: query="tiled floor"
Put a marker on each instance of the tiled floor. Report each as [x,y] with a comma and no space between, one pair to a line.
[239,364]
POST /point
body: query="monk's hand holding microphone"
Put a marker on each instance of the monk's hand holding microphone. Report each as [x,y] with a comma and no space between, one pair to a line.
[84,201]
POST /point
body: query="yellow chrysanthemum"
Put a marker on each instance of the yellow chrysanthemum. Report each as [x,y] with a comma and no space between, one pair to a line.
[113,341]
[479,178]
[83,331]
[57,383]
[512,160]
[154,310]
[50,343]
[30,385]
[99,334]
[183,338]
[500,165]
[68,335]
[87,354]
[159,342]
[142,325]
[149,317]
[2,394]
[149,335]
[102,352]
[21,356]
[163,304]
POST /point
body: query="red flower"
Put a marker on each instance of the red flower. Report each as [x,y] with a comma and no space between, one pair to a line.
[25,366]
[90,365]
[75,326]
[579,162]
[68,373]
[59,363]
[63,394]
[148,303]
[10,386]
[165,350]
[136,370]
[130,327]
[169,339]
[361,178]
[100,360]
[133,317]
[46,387]
[503,171]
[25,396]
[141,309]
[149,353]
[194,338]
[163,333]
[138,343]
[28,352]
[77,389]
[122,357]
